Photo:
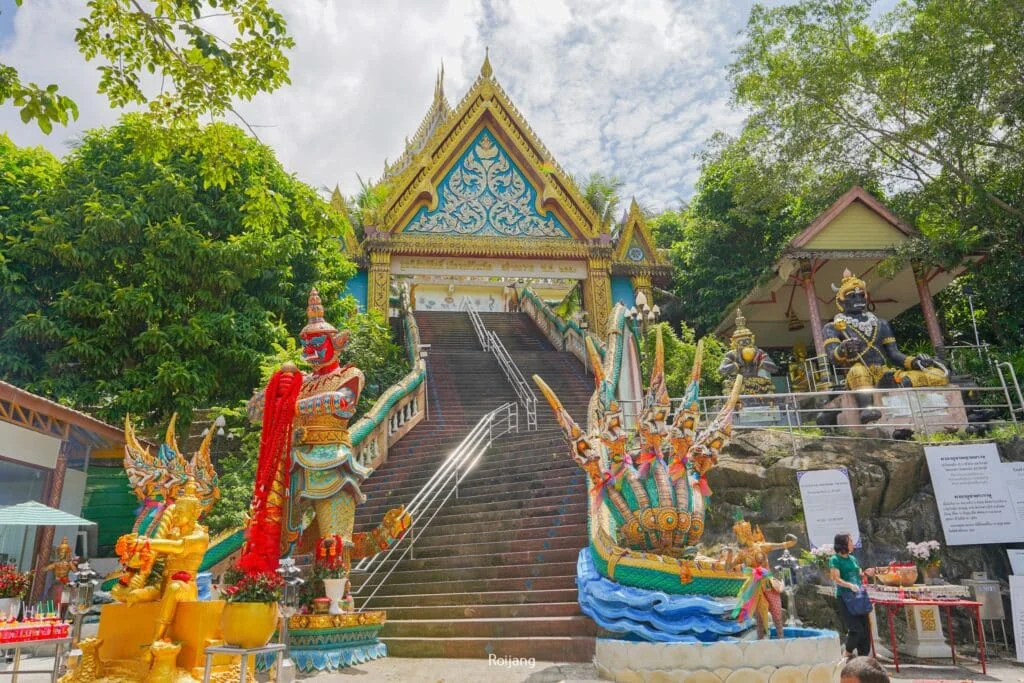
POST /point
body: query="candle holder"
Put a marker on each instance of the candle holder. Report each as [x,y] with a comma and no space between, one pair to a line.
[786,568]
[289,606]
[81,590]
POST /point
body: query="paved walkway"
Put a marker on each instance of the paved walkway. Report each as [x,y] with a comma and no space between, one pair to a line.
[397,670]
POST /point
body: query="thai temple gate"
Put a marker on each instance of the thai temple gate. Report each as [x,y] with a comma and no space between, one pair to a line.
[478,207]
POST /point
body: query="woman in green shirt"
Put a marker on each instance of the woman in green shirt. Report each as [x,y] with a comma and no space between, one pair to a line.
[847,576]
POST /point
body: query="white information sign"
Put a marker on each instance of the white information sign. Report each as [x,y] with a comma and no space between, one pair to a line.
[1013,475]
[1016,561]
[973,495]
[828,505]
[1017,613]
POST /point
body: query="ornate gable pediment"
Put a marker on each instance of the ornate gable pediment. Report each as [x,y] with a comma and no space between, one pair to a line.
[484,174]
[635,246]
[485,194]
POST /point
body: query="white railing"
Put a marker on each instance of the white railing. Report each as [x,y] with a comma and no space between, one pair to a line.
[491,342]
[922,410]
[524,393]
[435,493]
[478,326]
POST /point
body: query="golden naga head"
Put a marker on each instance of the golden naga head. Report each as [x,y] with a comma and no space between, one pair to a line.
[742,338]
[850,284]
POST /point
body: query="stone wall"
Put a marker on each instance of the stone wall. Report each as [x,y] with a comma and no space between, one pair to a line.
[891,491]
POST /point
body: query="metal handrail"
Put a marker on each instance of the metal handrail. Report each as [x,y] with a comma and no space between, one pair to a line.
[1006,389]
[515,377]
[491,342]
[478,325]
[444,482]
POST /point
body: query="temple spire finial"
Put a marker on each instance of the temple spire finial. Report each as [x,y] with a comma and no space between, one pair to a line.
[439,84]
[485,69]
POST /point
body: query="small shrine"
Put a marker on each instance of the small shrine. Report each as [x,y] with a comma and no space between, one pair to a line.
[795,298]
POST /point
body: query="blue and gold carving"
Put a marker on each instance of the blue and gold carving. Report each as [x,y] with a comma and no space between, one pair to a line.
[486,194]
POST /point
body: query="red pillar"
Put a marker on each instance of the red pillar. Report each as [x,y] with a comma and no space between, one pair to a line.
[807,280]
[44,543]
[931,318]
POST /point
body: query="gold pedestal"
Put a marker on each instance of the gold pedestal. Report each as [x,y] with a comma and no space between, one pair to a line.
[121,650]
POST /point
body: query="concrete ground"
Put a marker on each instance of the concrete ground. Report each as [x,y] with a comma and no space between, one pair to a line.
[398,670]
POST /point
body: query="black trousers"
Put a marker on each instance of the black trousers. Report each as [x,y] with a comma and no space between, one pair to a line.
[858,631]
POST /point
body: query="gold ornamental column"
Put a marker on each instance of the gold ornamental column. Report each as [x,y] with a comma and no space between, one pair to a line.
[379,282]
[597,294]
[642,283]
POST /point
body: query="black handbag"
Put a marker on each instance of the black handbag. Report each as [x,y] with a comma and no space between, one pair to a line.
[858,604]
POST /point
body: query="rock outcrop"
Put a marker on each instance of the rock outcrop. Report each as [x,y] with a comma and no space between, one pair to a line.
[892,492]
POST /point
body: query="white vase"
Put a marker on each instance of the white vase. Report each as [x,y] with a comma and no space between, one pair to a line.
[9,607]
[335,590]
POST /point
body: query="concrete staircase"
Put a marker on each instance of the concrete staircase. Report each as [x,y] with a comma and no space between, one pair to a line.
[495,571]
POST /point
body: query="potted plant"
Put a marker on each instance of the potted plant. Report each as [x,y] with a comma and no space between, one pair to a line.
[14,586]
[332,570]
[251,613]
[819,557]
[926,556]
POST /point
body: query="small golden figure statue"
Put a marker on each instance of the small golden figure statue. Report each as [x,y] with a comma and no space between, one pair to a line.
[748,361]
[798,370]
[62,566]
[753,553]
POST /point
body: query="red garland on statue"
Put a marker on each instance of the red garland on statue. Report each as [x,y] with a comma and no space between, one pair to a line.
[263,536]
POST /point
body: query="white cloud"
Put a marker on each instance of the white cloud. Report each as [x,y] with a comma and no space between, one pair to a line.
[625,87]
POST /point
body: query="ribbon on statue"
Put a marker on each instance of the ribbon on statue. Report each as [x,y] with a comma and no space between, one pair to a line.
[263,535]
[749,594]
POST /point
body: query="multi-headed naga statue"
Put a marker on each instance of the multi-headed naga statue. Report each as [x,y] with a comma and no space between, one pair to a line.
[647,507]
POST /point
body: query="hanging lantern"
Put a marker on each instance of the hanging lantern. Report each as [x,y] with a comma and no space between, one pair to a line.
[794,322]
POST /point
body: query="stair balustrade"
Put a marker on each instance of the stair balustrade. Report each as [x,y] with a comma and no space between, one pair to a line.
[441,486]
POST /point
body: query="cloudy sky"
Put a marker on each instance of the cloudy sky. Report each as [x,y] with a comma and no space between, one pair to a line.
[624,87]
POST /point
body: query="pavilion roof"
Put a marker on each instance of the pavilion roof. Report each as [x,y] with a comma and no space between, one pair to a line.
[39,414]
[857,232]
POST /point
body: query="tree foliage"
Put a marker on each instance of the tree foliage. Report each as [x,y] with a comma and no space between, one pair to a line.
[746,208]
[601,192]
[680,352]
[158,267]
[181,58]
[931,93]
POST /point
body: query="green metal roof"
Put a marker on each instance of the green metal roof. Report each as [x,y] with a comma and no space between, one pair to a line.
[32,513]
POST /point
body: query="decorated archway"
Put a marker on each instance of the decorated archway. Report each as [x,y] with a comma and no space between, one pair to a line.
[477,206]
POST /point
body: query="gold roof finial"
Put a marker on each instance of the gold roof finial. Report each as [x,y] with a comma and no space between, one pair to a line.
[439,85]
[485,69]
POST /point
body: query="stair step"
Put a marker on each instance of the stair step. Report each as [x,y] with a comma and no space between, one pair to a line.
[543,609]
[518,583]
[461,574]
[486,560]
[514,597]
[520,627]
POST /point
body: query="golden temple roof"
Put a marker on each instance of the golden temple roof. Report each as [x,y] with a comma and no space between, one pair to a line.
[635,234]
[445,134]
